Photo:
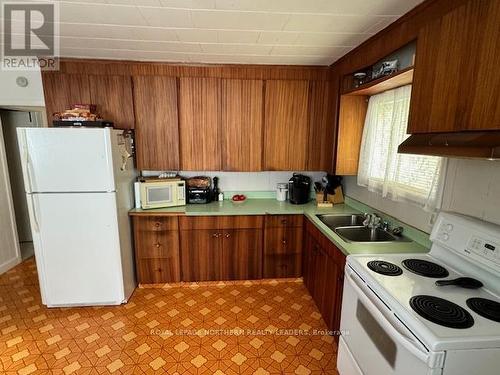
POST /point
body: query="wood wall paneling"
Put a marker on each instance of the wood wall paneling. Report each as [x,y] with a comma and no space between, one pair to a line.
[113,96]
[61,91]
[157,122]
[286,125]
[199,124]
[352,116]
[242,110]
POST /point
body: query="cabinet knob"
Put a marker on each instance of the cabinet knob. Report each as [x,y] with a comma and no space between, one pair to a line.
[284,221]
[157,224]
[158,244]
[283,242]
[215,235]
[227,235]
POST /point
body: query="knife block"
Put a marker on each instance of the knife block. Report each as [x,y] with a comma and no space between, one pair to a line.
[332,199]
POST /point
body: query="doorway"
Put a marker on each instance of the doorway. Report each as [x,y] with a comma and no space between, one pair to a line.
[10,121]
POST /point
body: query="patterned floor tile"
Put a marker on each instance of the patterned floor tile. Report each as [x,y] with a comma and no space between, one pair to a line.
[252,327]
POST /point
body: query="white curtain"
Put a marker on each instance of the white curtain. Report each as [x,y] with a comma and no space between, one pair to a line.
[414,178]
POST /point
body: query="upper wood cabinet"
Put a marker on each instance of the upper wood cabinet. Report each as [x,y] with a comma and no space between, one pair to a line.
[350,131]
[62,90]
[456,80]
[322,108]
[157,127]
[286,125]
[242,134]
[113,97]
[199,123]
[111,94]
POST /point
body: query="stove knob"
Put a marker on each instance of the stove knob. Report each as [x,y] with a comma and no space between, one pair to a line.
[449,227]
[445,237]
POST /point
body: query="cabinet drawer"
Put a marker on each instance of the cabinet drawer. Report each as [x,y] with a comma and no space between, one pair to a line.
[155,223]
[152,271]
[282,265]
[160,244]
[221,222]
[278,221]
[285,240]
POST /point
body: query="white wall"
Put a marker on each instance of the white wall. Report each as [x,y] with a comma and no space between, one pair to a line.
[472,187]
[12,95]
[247,181]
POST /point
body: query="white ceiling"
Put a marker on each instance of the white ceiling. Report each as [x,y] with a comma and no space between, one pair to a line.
[308,32]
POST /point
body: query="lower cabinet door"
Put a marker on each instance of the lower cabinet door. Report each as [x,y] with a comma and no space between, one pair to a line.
[201,254]
[329,301]
[157,270]
[241,254]
[282,265]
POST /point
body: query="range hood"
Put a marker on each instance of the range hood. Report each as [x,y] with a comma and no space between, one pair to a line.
[485,145]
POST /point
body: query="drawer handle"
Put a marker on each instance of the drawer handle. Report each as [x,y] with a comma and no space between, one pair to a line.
[157,224]
[283,242]
[227,235]
[158,244]
[215,235]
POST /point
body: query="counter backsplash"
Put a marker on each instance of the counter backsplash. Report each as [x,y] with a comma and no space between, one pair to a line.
[259,184]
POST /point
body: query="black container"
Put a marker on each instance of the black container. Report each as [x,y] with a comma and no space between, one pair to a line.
[197,195]
[299,189]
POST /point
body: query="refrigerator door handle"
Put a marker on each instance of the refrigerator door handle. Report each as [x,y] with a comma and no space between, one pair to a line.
[36,225]
[25,160]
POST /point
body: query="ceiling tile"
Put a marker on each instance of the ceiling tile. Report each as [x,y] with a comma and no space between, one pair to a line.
[117,32]
[238,20]
[236,36]
[332,39]
[166,17]
[101,13]
[277,37]
[237,49]
[197,35]
[307,50]
[126,44]
[191,4]
[328,23]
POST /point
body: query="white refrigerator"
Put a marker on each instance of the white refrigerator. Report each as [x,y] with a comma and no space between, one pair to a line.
[79,185]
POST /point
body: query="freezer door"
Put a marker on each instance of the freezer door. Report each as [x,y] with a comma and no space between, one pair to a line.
[66,159]
[78,248]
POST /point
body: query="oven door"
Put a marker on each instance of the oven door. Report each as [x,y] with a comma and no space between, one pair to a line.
[373,340]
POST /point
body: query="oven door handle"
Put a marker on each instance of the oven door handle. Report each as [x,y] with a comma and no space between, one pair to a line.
[389,322]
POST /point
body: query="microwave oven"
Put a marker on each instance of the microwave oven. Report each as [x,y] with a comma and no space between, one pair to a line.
[157,193]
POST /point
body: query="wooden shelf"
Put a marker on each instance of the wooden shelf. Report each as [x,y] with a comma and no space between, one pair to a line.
[400,78]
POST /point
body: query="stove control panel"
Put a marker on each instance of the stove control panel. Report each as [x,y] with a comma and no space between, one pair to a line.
[477,241]
[484,248]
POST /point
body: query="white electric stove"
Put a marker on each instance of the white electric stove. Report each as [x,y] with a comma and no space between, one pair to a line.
[396,320]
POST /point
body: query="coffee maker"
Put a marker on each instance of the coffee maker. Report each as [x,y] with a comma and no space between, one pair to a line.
[299,189]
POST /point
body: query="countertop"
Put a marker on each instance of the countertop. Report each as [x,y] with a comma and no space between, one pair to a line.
[273,207]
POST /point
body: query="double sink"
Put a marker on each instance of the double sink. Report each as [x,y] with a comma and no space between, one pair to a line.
[351,229]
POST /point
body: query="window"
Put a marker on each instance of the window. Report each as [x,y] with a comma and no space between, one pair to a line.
[413,178]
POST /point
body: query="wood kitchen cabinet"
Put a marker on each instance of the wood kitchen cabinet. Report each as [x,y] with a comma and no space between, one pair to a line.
[199,123]
[112,95]
[157,126]
[283,246]
[156,249]
[221,248]
[62,90]
[322,109]
[286,125]
[242,124]
[456,80]
[323,275]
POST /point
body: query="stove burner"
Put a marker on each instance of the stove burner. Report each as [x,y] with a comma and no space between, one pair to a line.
[441,311]
[425,268]
[384,268]
[485,307]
